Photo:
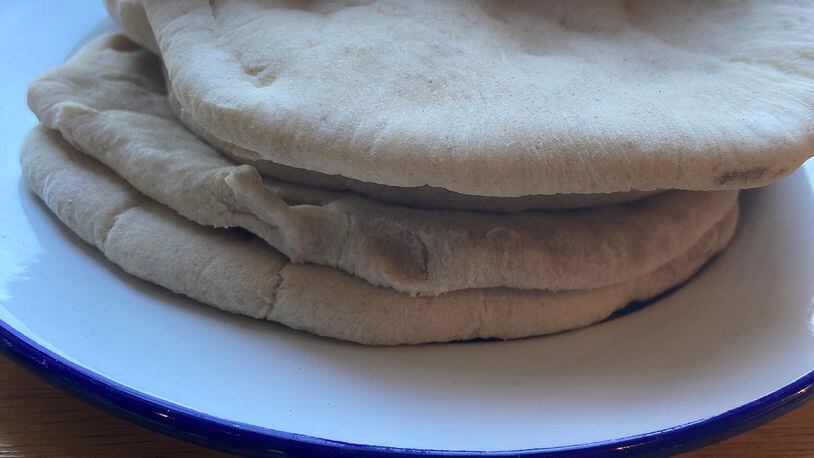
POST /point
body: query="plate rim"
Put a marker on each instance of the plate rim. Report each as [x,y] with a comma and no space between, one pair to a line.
[210,431]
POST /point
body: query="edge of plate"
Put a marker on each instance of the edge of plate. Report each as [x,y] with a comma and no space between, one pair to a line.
[203,429]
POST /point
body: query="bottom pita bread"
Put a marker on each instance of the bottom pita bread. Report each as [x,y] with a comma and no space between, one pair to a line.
[244,275]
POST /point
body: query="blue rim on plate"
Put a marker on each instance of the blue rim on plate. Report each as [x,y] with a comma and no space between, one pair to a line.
[209,431]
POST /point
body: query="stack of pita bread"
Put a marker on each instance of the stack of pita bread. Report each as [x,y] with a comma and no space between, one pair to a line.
[404,171]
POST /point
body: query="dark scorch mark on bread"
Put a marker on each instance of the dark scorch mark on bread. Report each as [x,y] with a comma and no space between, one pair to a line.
[741,176]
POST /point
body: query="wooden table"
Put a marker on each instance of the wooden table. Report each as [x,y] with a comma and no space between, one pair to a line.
[39,420]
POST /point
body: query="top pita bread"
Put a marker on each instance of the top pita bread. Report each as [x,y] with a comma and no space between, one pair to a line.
[131,16]
[502,98]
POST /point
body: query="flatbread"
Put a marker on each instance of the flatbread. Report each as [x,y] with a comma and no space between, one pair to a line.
[109,101]
[495,98]
[246,276]
[132,18]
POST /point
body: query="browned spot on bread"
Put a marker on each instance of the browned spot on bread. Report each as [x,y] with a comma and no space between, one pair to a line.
[402,254]
[741,176]
[253,70]
[260,74]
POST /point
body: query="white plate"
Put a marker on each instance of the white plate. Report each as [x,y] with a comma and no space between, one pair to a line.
[727,350]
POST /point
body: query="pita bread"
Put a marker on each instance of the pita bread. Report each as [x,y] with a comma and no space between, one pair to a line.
[495,98]
[246,276]
[108,100]
[131,16]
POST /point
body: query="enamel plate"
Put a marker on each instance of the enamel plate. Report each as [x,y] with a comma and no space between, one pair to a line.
[728,350]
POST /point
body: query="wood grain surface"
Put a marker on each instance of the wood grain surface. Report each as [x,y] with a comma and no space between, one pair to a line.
[39,420]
